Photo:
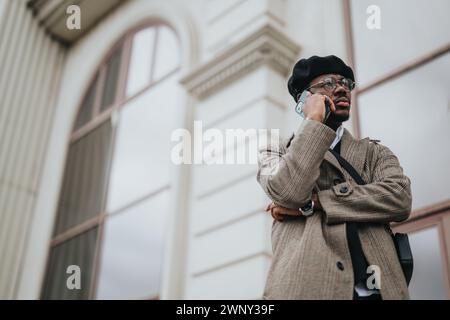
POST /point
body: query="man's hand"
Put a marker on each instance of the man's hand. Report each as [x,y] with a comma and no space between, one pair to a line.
[314,107]
[278,211]
[316,200]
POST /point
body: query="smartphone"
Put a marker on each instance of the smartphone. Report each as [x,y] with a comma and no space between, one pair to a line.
[301,102]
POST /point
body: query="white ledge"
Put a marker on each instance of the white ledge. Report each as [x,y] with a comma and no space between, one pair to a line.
[265,47]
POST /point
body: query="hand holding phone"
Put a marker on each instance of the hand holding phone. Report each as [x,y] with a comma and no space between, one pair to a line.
[306,95]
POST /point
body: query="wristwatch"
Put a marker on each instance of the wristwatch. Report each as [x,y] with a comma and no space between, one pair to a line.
[308,209]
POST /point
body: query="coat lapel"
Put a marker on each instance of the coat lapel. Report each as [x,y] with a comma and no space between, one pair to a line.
[352,150]
[332,160]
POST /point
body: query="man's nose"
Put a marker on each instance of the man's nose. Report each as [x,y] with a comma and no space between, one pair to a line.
[339,89]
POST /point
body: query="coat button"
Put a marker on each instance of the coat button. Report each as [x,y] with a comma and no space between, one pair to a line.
[343,189]
[337,181]
[340,265]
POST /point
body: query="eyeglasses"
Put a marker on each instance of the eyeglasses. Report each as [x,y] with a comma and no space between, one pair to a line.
[330,84]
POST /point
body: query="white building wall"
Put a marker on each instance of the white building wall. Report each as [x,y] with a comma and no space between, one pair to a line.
[31,64]
[230,230]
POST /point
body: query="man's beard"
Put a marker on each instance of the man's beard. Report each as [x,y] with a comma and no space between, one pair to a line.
[339,117]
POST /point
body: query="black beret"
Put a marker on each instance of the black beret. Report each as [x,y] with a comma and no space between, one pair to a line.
[305,70]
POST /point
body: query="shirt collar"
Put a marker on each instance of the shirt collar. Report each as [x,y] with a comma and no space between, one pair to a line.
[339,133]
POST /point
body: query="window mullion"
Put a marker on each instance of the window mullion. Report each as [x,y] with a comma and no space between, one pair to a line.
[155,45]
[99,91]
[123,73]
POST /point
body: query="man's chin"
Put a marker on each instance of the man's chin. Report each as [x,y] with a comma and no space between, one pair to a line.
[339,117]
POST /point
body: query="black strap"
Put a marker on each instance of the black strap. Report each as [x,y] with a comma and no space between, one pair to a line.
[359,262]
[348,167]
[401,240]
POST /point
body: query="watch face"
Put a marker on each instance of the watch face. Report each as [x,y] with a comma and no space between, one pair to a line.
[308,209]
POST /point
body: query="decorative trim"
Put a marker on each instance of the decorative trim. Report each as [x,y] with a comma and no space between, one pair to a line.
[350,49]
[227,116]
[407,67]
[51,15]
[267,46]
[262,253]
[227,223]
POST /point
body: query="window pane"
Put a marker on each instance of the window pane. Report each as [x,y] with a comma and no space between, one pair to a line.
[111,80]
[167,53]
[409,29]
[142,152]
[410,114]
[84,183]
[428,278]
[78,251]
[85,113]
[141,60]
[132,251]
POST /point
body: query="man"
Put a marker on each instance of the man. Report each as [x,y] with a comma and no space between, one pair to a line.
[327,229]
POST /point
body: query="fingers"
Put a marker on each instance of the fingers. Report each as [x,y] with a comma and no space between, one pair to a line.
[270,206]
[279,212]
[316,106]
[315,198]
[330,103]
[285,211]
[276,214]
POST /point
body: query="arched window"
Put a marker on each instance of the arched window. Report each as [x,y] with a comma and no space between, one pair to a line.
[112,210]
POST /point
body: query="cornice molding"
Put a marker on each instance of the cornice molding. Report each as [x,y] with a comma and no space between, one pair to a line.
[265,47]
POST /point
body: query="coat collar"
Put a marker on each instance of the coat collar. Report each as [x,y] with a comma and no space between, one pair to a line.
[352,150]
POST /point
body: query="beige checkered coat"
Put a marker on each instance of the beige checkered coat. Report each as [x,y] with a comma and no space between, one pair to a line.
[306,250]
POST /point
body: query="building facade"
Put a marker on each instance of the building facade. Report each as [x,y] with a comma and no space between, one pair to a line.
[87,124]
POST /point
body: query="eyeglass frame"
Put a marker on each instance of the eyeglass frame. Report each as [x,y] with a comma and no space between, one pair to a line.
[336,82]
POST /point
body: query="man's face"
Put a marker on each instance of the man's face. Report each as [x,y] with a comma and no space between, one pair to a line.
[341,96]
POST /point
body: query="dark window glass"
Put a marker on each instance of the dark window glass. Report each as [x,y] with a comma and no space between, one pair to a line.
[78,251]
[85,113]
[111,80]
[85,178]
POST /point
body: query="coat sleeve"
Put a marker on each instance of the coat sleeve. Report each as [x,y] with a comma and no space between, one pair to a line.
[386,199]
[288,175]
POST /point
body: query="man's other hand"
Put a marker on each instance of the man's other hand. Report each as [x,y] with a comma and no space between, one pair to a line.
[278,211]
